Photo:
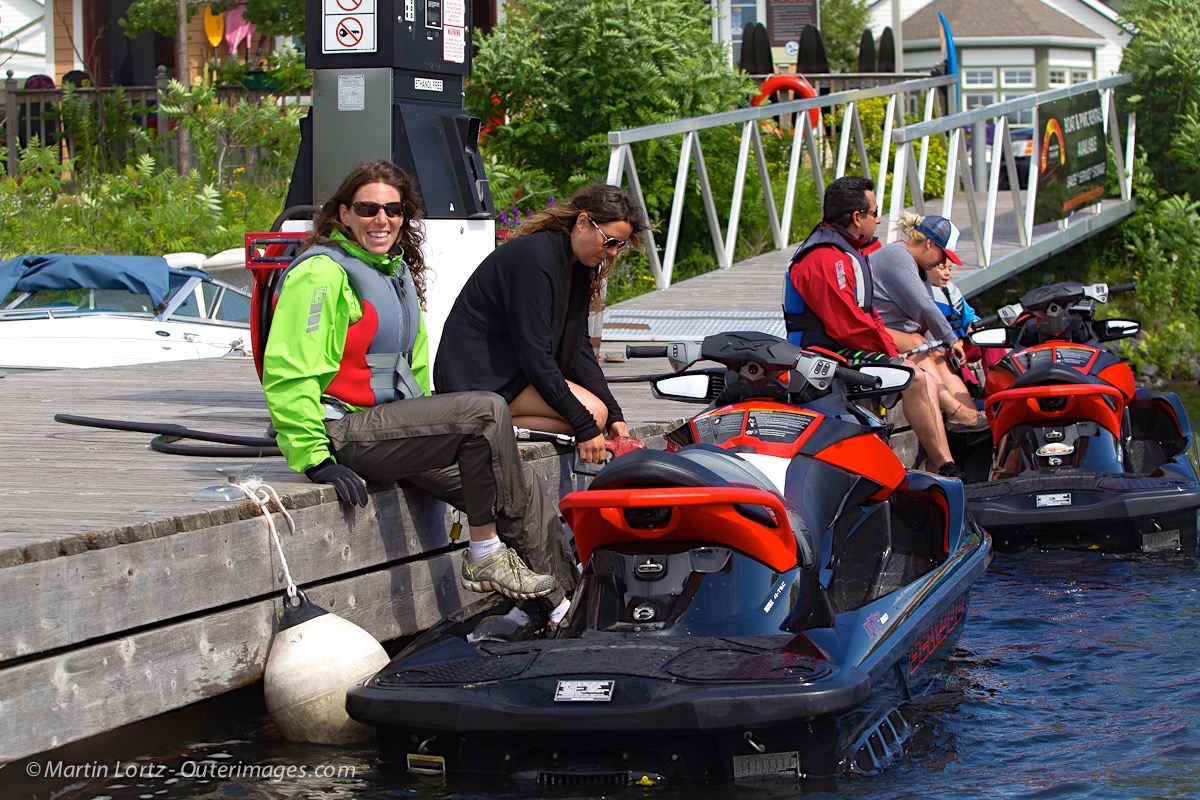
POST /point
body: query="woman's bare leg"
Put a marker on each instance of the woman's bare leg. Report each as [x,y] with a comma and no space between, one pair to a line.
[953,398]
[529,410]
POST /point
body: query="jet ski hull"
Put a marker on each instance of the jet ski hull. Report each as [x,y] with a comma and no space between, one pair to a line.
[645,709]
[1113,513]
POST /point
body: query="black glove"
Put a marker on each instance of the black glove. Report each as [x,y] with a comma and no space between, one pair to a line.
[350,487]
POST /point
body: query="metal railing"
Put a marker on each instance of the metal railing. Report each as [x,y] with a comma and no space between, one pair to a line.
[963,169]
[840,123]
[841,106]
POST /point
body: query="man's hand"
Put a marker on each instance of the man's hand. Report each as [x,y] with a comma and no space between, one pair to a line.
[350,487]
[618,430]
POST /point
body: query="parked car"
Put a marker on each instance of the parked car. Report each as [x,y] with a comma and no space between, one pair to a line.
[1023,145]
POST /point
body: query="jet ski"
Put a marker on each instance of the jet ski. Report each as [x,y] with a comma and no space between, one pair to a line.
[762,599]
[1077,455]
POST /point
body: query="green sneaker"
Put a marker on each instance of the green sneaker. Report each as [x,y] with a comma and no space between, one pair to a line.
[505,572]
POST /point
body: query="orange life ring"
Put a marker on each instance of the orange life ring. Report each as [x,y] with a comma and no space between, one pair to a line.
[792,83]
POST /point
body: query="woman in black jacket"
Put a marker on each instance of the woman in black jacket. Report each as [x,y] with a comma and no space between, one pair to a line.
[519,326]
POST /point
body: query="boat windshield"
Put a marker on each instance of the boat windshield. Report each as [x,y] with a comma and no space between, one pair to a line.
[69,300]
[203,299]
[188,297]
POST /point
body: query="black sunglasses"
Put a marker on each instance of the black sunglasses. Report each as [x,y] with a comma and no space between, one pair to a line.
[870,212]
[369,210]
[609,241]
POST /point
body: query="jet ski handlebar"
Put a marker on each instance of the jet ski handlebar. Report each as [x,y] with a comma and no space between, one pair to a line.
[754,354]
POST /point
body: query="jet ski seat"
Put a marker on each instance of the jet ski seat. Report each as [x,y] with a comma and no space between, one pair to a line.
[1053,374]
[696,487]
[705,465]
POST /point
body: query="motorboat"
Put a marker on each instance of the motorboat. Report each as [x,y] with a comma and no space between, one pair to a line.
[78,311]
[760,600]
[1077,455]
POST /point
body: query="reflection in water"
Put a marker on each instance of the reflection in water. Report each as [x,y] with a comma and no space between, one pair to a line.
[1074,677]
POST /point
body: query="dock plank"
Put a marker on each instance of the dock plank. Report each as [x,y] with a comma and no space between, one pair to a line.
[90,690]
[114,589]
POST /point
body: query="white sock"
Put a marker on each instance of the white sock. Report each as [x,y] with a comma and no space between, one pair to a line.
[481,550]
[560,611]
[518,615]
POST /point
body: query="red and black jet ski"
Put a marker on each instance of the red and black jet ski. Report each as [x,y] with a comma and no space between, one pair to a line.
[761,600]
[1077,455]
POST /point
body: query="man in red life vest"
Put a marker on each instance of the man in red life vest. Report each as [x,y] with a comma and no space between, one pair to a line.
[827,302]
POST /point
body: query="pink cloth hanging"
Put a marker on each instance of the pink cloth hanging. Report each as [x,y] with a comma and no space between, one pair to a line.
[237,29]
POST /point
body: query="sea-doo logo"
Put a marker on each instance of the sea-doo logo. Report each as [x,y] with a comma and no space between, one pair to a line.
[934,635]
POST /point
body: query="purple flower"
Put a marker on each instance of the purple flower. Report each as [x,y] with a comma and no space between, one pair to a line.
[504,219]
[550,201]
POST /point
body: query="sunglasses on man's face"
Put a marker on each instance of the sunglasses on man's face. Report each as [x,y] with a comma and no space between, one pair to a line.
[370,210]
[609,241]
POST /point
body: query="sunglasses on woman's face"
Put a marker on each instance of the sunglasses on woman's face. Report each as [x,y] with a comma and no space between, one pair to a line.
[609,241]
[370,210]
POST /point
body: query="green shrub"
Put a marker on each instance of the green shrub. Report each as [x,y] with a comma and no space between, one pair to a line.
[257,135]
[141,210]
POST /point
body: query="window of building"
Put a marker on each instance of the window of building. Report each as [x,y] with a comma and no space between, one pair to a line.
[1056,77]
[1018,76]
[741,12]
[978,100]
[1023,117]
[979,77]
[1080,75]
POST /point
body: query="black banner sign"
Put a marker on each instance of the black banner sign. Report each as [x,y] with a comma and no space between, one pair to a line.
[1072,156]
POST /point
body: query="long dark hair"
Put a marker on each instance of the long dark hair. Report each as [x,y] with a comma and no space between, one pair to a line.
[602,203]
[412,232]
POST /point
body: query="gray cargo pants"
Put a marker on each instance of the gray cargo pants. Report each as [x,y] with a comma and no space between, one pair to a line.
[460,448]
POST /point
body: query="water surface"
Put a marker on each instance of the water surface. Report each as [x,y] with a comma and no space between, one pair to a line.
[1075,678]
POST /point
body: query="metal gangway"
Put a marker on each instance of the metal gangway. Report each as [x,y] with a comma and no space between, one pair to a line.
[997,224]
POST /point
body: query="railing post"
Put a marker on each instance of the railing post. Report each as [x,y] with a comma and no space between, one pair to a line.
[10,125]
[160,80]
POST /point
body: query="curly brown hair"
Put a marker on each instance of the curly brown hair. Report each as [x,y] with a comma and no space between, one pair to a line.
[411,239]
[602,203]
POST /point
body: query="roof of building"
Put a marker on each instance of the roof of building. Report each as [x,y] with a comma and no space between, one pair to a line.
[1027,19]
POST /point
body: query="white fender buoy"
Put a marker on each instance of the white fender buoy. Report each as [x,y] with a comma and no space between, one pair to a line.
[314,658]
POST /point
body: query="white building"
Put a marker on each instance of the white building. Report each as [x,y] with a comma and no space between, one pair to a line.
[23,38]
[1010,48]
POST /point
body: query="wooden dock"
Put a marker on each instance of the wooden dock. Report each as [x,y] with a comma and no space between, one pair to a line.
[128,597]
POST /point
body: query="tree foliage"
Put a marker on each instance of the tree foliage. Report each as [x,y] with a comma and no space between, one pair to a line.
[1162,60]
[568,73]
[270,17]
[842,24]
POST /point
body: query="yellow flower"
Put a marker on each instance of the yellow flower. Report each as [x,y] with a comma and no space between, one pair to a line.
[238,170]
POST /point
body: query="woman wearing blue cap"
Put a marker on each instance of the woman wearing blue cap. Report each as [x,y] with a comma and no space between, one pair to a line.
[912,318]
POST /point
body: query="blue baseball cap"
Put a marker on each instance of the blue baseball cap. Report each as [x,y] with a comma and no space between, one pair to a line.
[943,233]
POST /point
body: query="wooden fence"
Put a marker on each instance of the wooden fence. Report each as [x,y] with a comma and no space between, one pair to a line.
[105,127]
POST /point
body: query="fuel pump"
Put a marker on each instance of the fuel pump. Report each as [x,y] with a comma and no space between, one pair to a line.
[388,83]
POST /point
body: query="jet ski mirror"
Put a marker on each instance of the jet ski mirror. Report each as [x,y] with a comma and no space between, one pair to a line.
[991,337]
[1111,329]
[692,387]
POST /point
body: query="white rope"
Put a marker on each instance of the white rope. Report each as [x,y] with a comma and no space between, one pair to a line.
[262,494]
